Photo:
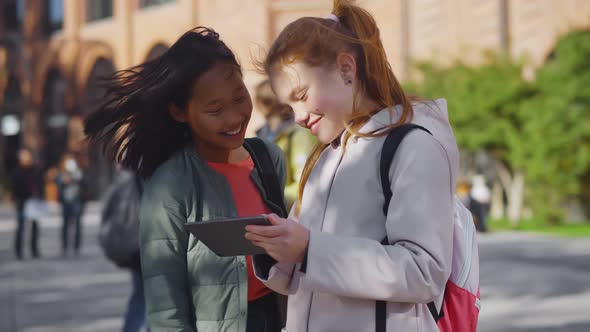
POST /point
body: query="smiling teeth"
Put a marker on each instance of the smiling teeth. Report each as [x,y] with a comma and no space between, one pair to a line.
[235,131]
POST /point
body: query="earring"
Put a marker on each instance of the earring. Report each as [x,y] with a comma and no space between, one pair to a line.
[347,81]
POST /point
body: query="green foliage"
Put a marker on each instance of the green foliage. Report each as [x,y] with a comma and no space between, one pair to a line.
[558,126]
[539,226]
[541,128]
[483,103]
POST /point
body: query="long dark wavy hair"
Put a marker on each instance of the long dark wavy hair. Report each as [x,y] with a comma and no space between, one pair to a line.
[133,126]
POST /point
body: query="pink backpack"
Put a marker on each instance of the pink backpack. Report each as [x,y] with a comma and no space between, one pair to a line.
[461,303]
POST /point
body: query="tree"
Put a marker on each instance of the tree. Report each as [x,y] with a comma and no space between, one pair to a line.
[484,105]
[560,134]
[538,132]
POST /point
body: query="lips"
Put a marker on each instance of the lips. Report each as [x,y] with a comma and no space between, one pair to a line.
[313,122]
[235,131]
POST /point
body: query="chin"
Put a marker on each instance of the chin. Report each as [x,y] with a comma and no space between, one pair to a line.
[237,143]
[232,144]
[328,138]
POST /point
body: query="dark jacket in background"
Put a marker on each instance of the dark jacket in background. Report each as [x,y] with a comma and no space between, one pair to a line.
[27,182]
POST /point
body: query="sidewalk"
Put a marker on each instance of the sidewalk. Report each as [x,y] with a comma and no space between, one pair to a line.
[8,215]
[55,293]
[530,283]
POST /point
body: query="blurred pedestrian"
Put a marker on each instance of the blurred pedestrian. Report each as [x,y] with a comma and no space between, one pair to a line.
[70,184]
[27,185]
[463,191]
[280,127]
[480,197]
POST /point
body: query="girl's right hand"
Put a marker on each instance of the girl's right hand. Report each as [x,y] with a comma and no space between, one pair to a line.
[284,240]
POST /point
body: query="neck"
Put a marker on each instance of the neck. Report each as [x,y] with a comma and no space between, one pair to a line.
[217,155]
[367,105]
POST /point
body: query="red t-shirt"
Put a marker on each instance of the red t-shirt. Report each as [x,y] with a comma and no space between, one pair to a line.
[248,203]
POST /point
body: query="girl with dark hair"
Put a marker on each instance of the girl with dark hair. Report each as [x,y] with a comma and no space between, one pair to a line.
[179,121]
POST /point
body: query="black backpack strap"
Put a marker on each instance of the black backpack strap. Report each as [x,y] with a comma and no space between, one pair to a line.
[435,313]
[380,317]
[270,181]
[381,308]
[390,146]
[265,167]
[392,142]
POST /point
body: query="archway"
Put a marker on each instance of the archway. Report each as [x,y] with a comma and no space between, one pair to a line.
[156,51]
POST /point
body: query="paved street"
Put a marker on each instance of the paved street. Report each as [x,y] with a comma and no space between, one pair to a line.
[84,293]
[529,283]
[534,283]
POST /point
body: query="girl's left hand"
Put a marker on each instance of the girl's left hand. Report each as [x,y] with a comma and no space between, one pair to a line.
[284,240]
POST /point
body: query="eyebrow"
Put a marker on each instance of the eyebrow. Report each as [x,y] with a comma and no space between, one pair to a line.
[218,100]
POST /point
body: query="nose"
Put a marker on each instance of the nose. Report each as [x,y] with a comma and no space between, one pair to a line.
[301,117]
[233,119]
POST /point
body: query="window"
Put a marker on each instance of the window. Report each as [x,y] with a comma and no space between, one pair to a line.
[148,3]
[56,15]
[98,9]
[20,9]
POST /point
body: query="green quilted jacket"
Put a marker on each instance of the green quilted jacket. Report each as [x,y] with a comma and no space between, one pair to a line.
[187,286]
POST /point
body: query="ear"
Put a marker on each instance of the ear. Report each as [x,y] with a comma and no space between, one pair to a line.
[346,65]
[177,114]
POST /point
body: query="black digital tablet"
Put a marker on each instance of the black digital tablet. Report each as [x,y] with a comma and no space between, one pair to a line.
[225,237]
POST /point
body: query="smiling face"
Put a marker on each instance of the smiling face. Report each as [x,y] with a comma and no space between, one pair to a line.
[218,112]
[321,96]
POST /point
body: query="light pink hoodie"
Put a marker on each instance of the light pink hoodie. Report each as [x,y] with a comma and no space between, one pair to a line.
[347,268]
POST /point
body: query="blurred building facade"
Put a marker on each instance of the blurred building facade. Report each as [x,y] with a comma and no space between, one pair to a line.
[57,49]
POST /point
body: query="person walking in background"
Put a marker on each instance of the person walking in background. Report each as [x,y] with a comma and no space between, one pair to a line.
[70,184]
[480,197]
[463,191]
[280,127]
[119,240]
[27,184]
